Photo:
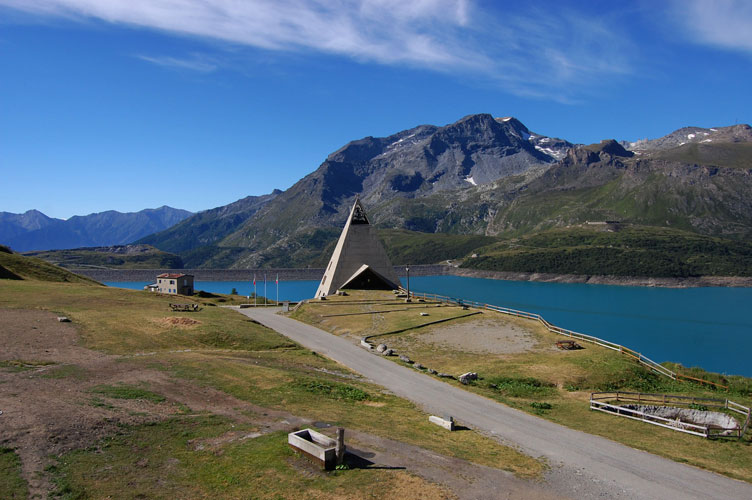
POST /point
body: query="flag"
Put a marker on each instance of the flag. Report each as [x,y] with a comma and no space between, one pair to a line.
[254,280]
[277,281]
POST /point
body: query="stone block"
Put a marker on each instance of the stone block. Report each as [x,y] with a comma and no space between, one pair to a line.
[319,448]
[446,423]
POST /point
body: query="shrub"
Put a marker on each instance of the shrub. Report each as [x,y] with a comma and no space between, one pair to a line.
[541,405]
[521,387]
[331,389]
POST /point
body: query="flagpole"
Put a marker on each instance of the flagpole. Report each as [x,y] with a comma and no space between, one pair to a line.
[265,289]
[255,297]
[277,288]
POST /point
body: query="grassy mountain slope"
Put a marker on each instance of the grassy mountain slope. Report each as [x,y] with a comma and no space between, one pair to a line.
[121,256]
[617,250]
[591,186]
[466,179]
[18,267]
[207,227]
[410,247]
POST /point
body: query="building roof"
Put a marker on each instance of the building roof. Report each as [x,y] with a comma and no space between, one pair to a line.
[173,276]
[358,254]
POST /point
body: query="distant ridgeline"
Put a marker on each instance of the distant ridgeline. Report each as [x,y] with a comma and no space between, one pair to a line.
[33,230]
[488,193]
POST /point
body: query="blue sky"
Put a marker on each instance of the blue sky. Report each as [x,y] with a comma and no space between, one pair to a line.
[132,104]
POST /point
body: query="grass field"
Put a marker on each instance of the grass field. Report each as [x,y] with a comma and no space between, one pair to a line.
[178,456]
[543,380]
[219,351]
[13,485]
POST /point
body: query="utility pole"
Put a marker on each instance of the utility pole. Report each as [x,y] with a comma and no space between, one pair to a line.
[408,284]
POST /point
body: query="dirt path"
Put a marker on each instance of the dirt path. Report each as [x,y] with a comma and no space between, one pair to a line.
[468,481]
[583,465]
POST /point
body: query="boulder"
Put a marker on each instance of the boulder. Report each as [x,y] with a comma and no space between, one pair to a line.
[381,348]
[419,366]
[405,359]
[432,371]
[468,377]
[388,352]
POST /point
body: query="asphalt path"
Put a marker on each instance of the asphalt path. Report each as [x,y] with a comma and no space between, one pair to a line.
[582,465]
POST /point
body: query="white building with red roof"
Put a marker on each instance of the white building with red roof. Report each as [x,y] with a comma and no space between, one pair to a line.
[174,283]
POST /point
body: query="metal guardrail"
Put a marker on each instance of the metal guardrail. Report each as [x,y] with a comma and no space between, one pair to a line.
[643,360]
[598,402]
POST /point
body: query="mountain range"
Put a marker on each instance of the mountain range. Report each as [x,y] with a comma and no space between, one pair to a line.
[33,230]
[483,176]
[484,186]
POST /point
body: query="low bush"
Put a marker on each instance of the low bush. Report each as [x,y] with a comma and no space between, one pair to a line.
[521,387]
[331,389]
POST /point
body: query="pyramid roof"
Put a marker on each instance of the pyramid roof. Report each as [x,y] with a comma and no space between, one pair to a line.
[359,253]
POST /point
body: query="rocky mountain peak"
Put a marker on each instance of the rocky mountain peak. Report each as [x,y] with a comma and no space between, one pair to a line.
[692,135]
[611,147]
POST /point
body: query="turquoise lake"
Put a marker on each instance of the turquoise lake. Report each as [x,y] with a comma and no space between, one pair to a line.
[708,327]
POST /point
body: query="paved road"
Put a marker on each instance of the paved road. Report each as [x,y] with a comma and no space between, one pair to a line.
[583,465]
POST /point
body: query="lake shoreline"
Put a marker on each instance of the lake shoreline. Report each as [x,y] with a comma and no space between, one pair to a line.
[689,282]
[292,274]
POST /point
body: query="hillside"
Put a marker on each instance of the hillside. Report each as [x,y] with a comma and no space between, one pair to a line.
[35,231]
[119,257]
[207,227]
[616,250]
[481,177]
[411,164]
[18,267]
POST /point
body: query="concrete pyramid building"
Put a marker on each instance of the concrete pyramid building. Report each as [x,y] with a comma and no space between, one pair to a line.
[359,260]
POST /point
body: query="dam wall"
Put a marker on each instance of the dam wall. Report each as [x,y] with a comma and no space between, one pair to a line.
[285,274]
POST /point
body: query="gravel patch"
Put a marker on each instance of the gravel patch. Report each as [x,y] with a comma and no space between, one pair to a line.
[482,336]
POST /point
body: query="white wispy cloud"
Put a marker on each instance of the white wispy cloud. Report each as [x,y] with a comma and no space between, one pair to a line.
[195,62]
[539,53]
[721,23]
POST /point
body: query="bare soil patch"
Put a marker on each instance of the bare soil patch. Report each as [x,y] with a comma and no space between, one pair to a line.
[178,321]
[50,410]
[482,336]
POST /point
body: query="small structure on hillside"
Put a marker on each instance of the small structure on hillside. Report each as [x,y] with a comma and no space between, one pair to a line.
[359,260]
[172,283]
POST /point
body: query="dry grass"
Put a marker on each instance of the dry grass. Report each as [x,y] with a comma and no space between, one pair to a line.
[370,313]
[235,355]
[563,379]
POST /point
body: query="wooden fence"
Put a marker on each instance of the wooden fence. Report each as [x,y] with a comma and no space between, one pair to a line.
[601,401]
[643,360]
